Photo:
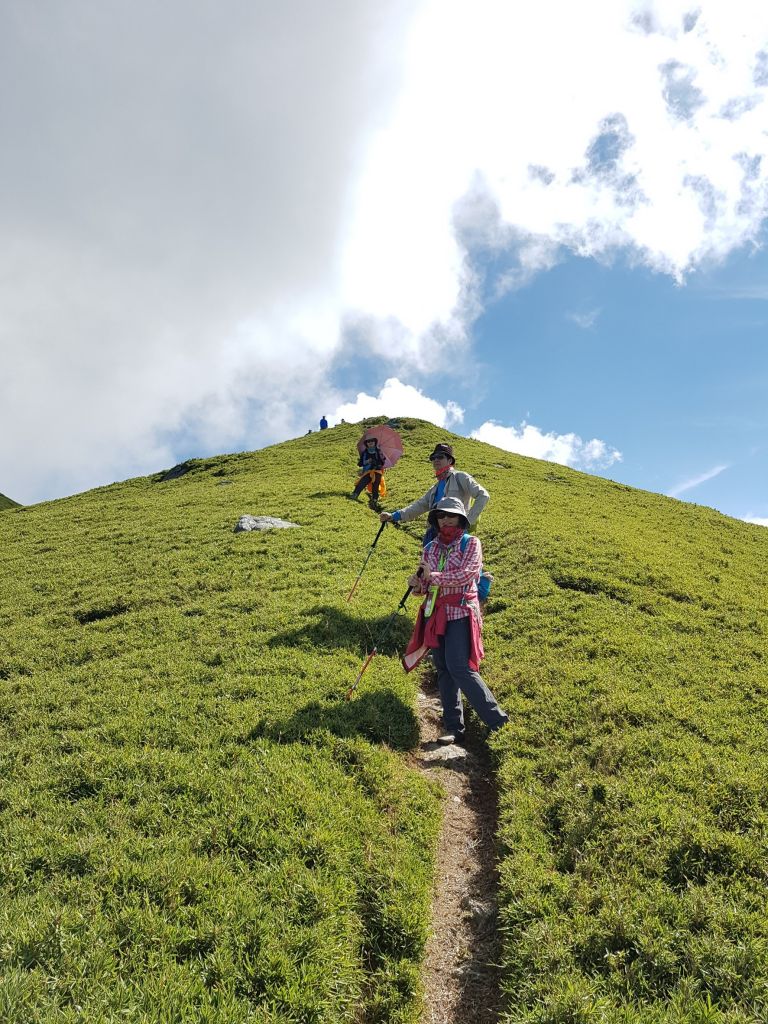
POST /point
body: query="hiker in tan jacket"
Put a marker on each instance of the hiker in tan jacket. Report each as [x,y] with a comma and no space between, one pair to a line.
[451,483]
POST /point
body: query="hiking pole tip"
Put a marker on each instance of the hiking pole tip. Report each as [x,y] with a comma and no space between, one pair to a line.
[353,687]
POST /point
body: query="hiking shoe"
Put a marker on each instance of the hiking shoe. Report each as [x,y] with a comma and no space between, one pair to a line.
[449,738]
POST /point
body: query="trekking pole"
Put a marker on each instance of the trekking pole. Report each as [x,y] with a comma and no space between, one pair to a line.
[360,574]
[381,639]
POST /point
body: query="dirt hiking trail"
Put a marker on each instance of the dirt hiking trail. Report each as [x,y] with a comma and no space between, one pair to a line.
[461,976]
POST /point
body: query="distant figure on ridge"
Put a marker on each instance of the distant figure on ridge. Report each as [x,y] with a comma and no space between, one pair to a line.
[450,484]
[323,423]
[371,463]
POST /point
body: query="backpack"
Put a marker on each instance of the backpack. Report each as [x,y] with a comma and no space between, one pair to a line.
[484,580]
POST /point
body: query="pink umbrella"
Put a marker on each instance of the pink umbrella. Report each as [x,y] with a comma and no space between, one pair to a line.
[388,442]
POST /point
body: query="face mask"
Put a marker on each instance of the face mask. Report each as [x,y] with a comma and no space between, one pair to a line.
[449,534]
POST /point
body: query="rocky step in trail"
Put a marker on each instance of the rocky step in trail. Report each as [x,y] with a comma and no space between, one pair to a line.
[461,976]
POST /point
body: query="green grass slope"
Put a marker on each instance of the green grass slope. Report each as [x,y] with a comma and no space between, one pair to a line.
[195,827]
[194,824]
[627,634]
[7,503]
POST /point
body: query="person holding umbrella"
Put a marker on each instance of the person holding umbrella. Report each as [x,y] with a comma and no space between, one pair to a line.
[379,447]
[449,621]
[450,484]
[371,463]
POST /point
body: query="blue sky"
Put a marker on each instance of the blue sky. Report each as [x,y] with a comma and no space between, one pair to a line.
[541,225]
[674,376]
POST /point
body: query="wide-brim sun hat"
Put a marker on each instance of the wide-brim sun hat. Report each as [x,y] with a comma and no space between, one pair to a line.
[453,505]
[445,450]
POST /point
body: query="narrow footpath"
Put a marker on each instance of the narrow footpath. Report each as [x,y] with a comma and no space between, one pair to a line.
[461,979]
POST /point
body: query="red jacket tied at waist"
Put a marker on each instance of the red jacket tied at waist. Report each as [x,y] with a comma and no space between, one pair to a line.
[427,632]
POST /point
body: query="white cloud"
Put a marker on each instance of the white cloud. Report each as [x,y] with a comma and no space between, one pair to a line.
[398,399]
[567,449]
[197,210]
[695,481]
[584,320]
[539,128]
[757,520]
[175,183]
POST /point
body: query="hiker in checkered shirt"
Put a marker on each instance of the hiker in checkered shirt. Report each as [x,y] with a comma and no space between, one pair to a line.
[449,621]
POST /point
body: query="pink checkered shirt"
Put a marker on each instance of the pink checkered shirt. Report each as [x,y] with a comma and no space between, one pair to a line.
[459,575]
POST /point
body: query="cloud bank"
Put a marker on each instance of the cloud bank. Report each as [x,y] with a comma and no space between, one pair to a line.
[198,210]
[532,130]
[398,399]
[175,187]
[567,449]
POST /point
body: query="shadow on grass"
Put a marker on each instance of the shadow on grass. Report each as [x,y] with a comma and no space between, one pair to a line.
[329,627]
[380,717]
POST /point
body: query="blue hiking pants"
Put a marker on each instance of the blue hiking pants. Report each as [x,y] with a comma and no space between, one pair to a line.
[454,677]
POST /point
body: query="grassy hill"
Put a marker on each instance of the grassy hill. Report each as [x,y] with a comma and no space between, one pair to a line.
[195,826]
[7,503]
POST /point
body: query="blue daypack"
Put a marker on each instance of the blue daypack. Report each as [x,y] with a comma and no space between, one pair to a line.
[484,580]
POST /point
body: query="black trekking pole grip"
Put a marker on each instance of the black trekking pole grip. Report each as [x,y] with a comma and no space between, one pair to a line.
[393,616]
[407,594]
